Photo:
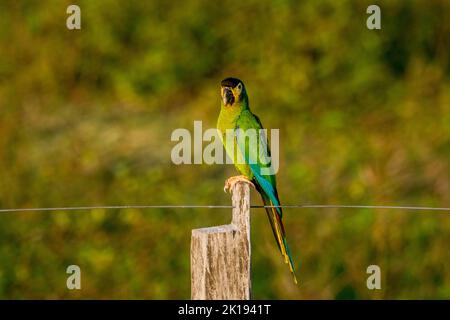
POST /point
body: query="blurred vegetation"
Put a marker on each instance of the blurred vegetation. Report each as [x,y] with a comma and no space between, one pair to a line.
[86,118]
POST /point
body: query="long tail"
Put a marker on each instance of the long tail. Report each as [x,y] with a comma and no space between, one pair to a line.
[276,223]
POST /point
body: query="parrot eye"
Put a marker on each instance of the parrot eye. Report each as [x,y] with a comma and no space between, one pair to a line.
[239,87]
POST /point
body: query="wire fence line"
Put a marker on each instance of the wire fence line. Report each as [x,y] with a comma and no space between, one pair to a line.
[117,207]
[344,206]
[300,206]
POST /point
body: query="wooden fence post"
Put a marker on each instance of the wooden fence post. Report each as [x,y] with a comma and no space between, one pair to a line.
[220,256]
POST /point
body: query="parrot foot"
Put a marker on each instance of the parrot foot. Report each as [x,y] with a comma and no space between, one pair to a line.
[230,182]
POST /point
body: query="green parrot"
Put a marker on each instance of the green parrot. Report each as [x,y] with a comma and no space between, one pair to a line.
[235,115]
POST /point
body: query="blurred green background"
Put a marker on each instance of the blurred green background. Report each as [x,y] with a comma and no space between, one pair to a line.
[86,118]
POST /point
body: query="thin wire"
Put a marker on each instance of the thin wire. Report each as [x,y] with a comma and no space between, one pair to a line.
[113,207]
[219,207]
[356,207]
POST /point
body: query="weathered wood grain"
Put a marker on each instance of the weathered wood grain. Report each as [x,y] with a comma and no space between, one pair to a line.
[220,256]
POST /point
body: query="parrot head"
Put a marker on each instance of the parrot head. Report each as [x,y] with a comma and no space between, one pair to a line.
[233,92]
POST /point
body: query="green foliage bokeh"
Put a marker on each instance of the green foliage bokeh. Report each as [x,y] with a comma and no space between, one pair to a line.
[86,118]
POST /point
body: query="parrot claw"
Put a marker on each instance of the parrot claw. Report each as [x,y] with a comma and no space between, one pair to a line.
[230,182]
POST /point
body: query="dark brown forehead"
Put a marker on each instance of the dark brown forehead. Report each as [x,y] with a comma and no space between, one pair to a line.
[230,82]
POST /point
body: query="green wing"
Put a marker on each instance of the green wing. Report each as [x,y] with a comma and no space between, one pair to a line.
[256,155]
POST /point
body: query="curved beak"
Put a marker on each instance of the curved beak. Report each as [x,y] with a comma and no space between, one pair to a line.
[227,96]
